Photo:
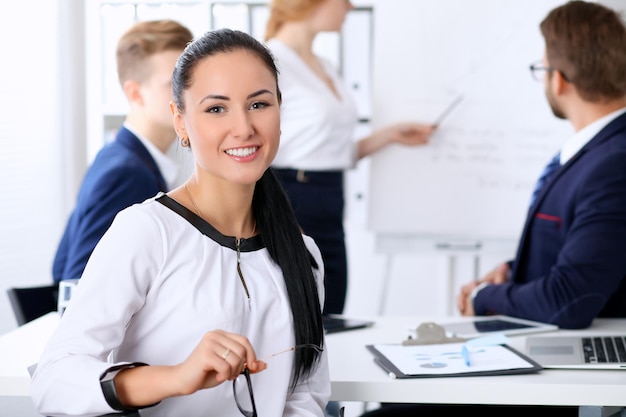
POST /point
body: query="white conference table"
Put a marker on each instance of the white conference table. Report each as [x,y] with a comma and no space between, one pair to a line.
[355,376]
[21,348]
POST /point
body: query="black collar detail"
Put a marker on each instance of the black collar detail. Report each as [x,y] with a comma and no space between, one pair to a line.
[245,245]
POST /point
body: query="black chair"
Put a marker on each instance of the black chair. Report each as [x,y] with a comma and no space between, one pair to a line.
[31,302]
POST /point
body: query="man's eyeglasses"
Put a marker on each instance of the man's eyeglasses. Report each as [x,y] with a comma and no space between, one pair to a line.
[242,384]
[537,71]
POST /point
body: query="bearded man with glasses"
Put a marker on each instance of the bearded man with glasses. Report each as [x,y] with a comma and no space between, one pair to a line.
[570,266]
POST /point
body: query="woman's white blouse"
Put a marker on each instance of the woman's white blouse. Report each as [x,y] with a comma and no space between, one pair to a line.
[317,127]
[152,288]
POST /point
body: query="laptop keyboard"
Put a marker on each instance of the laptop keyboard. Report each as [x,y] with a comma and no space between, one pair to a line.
[608,349]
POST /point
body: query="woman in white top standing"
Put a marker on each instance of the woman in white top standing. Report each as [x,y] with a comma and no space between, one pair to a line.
[318,122]
[187,292]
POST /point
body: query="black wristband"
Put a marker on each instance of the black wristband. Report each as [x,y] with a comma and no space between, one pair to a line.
[107,383]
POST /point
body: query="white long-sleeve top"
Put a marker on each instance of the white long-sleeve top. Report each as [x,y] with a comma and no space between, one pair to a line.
[317,127]
[154,285]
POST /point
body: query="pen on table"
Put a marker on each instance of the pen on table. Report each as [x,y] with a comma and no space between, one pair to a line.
[466,355]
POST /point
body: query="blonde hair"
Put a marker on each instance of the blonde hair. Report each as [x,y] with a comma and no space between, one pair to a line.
[144,39]
[282,11]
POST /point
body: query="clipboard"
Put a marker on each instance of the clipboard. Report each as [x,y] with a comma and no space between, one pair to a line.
[448,360]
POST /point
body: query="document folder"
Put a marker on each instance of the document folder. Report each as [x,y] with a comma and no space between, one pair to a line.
[447,360]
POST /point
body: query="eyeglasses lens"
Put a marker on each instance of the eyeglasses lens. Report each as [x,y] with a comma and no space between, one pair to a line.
[242,386]
[242,390]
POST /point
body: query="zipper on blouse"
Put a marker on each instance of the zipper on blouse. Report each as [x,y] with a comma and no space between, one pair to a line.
[243,281]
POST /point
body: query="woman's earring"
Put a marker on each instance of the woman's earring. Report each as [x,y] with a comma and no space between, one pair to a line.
[184,142]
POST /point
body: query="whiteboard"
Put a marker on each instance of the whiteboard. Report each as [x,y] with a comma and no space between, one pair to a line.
[475,178]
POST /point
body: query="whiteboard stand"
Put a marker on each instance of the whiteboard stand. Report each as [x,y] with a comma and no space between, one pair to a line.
[382,302]
[454,248]
[391,244]
[450,284]
[452,269]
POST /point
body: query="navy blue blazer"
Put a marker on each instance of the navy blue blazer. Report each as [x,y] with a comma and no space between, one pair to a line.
[570,265]
[122,174]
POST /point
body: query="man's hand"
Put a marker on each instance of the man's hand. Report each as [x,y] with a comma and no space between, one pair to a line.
[464,300]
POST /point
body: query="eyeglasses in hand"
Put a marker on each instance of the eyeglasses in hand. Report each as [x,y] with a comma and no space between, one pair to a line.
[242,383]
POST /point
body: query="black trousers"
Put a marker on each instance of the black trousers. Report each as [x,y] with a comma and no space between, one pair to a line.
[317,198]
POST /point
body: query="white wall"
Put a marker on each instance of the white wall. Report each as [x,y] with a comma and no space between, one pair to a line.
[31,165]
[42,131]
[42,154]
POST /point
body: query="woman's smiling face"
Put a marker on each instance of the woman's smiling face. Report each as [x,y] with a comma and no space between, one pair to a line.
[232,116]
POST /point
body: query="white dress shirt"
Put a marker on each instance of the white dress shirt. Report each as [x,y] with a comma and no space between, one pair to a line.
[584,135]
[152,288]
[317,127]
[167,166]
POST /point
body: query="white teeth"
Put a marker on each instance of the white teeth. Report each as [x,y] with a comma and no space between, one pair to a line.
[242,151]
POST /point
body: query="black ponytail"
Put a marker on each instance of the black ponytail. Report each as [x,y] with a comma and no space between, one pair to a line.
[283,238]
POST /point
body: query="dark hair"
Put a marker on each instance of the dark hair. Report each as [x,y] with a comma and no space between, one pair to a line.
[587,43]
[213,43]
[144,39]
[280,231]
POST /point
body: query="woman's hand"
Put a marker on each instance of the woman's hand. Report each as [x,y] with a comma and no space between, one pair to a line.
[409,134]
[220,356]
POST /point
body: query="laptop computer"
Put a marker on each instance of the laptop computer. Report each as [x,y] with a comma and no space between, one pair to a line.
[578,352]
[334,324]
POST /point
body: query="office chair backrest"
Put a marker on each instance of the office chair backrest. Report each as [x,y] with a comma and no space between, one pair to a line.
[31,302]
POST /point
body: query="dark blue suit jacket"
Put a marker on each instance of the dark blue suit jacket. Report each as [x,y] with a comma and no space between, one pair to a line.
[122,174]
[570,265]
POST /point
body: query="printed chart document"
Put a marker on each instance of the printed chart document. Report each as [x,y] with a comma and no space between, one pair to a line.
[439,360]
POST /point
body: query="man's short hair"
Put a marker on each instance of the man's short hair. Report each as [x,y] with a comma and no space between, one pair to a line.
[145,39]
[586,42]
